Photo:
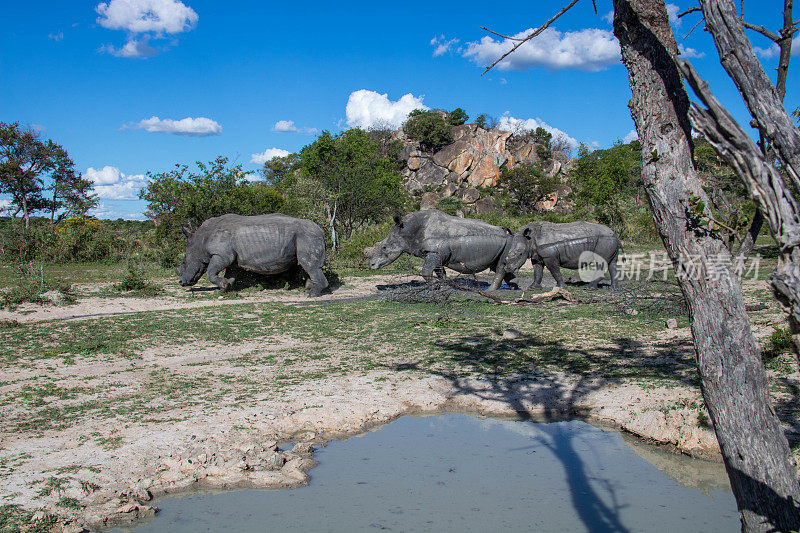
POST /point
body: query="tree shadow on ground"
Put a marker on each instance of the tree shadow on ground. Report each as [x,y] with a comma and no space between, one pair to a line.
[549,399]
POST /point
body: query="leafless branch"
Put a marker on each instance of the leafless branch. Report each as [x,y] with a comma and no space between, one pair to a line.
[688,11]
[501,35]
[763,31]
[694,28]
[531,36]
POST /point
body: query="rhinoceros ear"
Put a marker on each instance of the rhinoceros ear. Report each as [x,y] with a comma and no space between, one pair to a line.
[527,233]
[398,221]
[187,231]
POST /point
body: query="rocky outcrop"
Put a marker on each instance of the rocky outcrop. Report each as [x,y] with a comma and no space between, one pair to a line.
[469,165]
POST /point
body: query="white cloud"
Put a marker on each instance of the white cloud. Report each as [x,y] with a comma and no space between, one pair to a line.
[106,211]
[133,48]
[56,36]
[690,53]
[630,137]
[191,127]
[590,50]
[268,154]
[609,17]
[443,45]
[518,125]
[287,126]
[673,11]
[773,50]
[142,16]
[143,20]
[367,109]
[252,177]
[5,205]
[111,184]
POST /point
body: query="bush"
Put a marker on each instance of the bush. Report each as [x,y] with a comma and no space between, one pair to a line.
[778,343]
[450,205]
[430,128]
[528,185]
[457,117]
[30,287]
[136,281]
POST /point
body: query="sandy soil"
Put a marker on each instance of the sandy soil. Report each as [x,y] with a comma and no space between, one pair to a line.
[269,442]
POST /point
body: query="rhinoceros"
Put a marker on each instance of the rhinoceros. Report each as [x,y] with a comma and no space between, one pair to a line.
[265,244]
[462,244]
[570,245]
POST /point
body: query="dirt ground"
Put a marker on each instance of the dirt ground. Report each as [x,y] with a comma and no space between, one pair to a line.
[256,423]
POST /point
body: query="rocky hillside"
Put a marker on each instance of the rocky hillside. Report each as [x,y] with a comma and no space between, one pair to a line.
[469,168]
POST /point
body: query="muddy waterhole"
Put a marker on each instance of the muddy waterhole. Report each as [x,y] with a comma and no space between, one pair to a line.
[464,473]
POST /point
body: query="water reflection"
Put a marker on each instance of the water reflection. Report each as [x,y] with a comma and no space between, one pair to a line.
[463,473]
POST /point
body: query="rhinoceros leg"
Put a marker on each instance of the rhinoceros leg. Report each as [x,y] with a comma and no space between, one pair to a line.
[498,278]
[311,257]
[538,272]
[613,272]
[554,268]
[510,279]
[216,265]
[433,265]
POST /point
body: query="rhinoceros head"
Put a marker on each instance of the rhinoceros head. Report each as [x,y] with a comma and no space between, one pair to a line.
[390,248]
[195,261]
[523,246]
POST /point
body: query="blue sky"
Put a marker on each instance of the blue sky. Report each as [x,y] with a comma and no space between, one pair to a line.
[131,86]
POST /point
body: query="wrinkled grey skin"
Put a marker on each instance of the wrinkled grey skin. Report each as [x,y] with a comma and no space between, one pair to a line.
[265,244]
[553,245]
[465,245]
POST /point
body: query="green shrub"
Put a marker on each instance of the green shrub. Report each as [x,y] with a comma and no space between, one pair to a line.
[430,128]
[457,117]
[30,287]
[450,205]
[136,282]
[778,343]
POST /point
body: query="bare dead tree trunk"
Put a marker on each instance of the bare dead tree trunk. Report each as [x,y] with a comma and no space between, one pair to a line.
[763,100]
[732,376]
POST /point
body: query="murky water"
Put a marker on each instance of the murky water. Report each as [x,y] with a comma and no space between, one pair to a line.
[464,473]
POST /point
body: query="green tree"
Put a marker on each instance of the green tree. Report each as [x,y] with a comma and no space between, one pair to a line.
[343,181]
[457,117]
[25,161]
[277,169]
[429,128]
[181,195]
[606,179]
[544,143]
[528,185]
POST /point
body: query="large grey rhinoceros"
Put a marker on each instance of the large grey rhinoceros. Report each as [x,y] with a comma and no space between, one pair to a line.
[462,244]
[265,244]
[568,245]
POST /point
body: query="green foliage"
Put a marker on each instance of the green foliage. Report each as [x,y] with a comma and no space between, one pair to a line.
[29,287]
[544,143]
[26,160]
[84,239]
[278,169]
[609,182]
[430,128]
[216,188]
[528,185]
[481,121]
[778,343]
[136,281]
[450,205]
[457,117]
[344,182]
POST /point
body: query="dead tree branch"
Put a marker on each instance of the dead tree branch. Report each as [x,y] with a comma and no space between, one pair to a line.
[532,35]
[763,181]
[763,100]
